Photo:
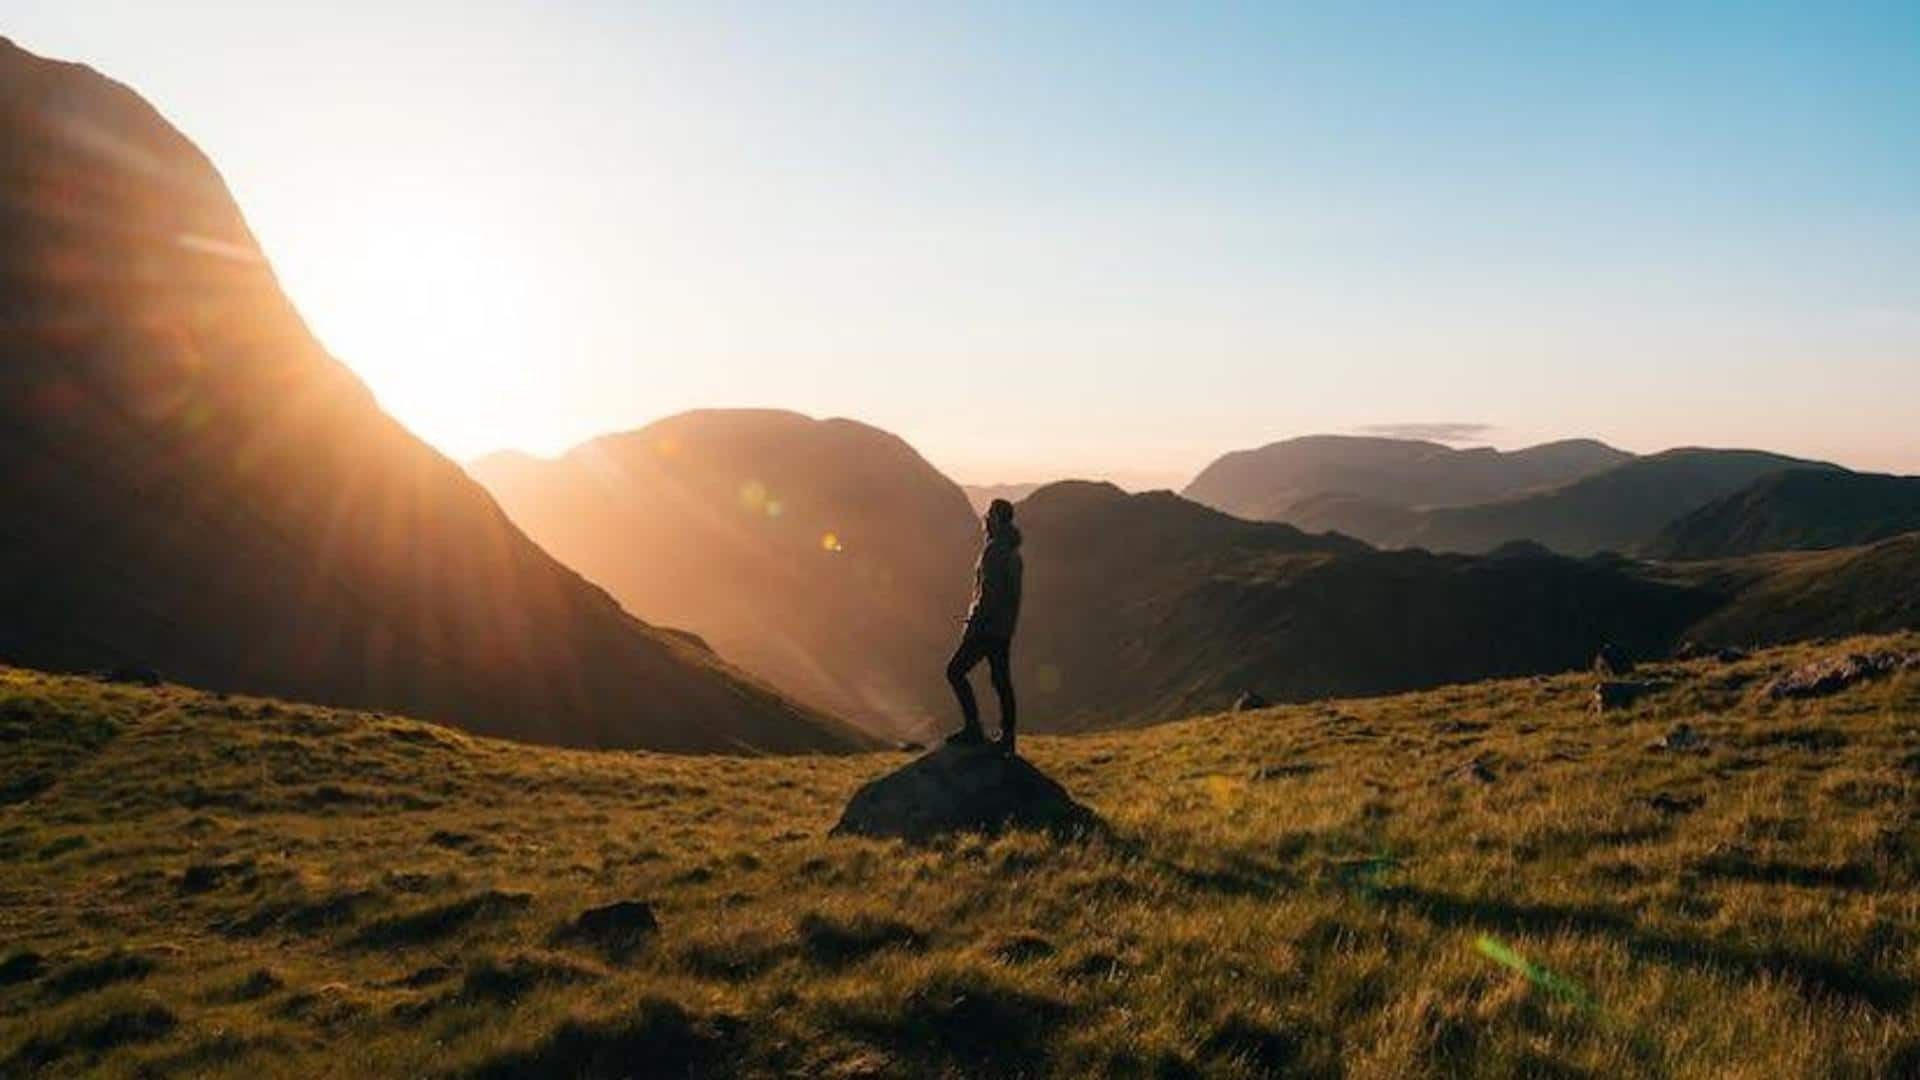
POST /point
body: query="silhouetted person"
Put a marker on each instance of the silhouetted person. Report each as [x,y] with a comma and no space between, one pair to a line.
[990,623]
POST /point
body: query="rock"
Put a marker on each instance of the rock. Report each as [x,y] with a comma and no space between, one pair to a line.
[1612,662]
[1611,695]
[1250,701]
[962,789]
[1833,674]
[1476,770]
[618,928]
[1682,739]
[132,675]
[24,966]
[1725,654]
[1675,804]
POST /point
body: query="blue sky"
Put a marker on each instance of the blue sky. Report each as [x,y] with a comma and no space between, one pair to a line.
[1078,239]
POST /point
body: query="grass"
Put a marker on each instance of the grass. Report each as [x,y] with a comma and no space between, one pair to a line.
[1479,880]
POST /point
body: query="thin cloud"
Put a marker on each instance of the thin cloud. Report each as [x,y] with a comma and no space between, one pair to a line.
[1446,431]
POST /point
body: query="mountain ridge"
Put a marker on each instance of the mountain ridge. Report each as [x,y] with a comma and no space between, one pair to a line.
[195,485]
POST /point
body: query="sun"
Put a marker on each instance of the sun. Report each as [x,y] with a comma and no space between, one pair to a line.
[434,313]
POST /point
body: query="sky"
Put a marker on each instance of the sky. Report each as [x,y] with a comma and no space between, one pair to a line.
[1075,239]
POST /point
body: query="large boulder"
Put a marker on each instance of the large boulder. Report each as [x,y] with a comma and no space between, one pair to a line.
[962,789]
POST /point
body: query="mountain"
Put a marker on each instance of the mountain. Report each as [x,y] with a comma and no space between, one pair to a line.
[1146,607]
[825,555]
[980,495]
[1264,484]
[1801,595]
[1795,509]
[193,485]
[1622,509]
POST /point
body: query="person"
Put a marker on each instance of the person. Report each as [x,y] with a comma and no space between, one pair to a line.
[989,628]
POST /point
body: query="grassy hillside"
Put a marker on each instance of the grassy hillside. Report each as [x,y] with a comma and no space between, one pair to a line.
[1799,509]
[1477,880]
[1800,595]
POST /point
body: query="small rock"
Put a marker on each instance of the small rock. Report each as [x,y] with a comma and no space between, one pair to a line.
[1673,804]
[1476,769]
[1835,673]
[1682,739]
[618,928]
[1612,662]
[22,967]
[132,675]
[1250,701]
[1614,694]
[1023,949]
[910,747]
[1281,771]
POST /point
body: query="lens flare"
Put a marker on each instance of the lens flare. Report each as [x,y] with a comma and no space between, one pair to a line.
[831,543]
[1503,954]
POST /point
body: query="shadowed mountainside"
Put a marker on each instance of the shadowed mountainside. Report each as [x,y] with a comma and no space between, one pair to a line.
[1621,509]
[1795,596]
[1264,484]
[824,555]
[192,484]
[1146,607]
[1798,509]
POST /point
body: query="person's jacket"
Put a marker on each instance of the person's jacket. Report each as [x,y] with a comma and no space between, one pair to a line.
[996,586]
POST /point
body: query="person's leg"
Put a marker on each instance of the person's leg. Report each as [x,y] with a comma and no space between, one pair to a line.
[1000,660]
[964,659]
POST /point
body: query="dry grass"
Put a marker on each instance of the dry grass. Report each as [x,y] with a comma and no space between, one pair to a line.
[197,885]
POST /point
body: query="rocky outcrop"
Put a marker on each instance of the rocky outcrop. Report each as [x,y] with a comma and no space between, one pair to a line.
[1833,674]
[958,789]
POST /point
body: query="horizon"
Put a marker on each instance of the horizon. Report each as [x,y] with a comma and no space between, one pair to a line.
[1189,235]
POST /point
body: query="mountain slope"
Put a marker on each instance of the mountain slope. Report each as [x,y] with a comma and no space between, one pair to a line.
[1622,509]
[1797,509]
[193,485]
[1795,596]
[1476,881]
[1263,484]
[825,555]
[1146,607]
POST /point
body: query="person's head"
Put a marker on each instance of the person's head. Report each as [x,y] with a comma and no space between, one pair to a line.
[999,516]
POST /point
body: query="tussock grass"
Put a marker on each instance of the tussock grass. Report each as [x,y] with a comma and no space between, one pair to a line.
[1480,880]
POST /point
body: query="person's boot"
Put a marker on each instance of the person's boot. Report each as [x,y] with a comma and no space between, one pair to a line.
[970,735]
[1005,742]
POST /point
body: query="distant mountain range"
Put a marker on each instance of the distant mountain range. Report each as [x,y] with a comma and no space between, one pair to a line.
[825,555]
[193,485]
[980,495]
[1577,497]
[1264,484]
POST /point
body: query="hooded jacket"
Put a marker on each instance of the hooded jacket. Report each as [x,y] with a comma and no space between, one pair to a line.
[996,586]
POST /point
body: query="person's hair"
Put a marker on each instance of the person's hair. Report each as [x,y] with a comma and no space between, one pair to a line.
[1000,510]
